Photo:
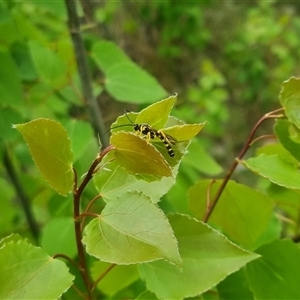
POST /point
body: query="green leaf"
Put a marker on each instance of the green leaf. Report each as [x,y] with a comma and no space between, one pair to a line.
[58,236]
[184,132]
[50,148]
[235,286]
[139,157]
[147,295]
[288,201]
[114,181]
[290,99]
[178,148]
[10,81]
[50,66]
[281,129]
[131,230]
[157,114]
[27,272]
[243,221]
[205,162]
[274,168]
[125,80]
[277,149]
[80,134]
[22,56]
[116,279]
[207,258]
[276,274]
[14,237]
[108,55]
[8,116]
[9,212]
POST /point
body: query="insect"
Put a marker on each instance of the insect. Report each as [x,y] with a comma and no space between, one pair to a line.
[150,133]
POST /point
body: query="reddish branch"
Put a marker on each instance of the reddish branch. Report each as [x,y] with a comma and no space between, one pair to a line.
[78,229]
[212,204]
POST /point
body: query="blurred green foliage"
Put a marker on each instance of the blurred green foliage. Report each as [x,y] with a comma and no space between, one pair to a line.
[225,59]
[219,56]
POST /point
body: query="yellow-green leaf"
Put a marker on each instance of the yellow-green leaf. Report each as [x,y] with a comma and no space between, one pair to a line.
[184,132]
[139,157]
[131,230]
[51,151]
[156,115]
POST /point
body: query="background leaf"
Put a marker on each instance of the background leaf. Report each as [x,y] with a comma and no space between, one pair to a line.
[246,217]
[205,163]
[58,236]
[146,295]
[27,272]
[80,134]
[207,258]
[50,66]
[51,151]
[130,230]
[117,279]
[235,286]
[125,80]
[277,269]
[108,55]
[10,81]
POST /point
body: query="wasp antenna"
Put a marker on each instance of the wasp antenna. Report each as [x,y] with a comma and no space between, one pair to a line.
[126,113]
[118,127]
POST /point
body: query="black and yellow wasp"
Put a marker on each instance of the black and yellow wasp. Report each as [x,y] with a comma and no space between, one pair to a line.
[149,133]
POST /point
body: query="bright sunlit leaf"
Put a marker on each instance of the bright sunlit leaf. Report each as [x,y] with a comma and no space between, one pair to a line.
[157,114]
[131,230]
[184,132]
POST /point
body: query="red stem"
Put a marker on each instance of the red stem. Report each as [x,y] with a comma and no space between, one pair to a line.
[248,143]
[78,232]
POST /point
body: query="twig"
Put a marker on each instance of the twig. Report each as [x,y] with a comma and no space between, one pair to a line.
[87,210]
[69,259]
[265,136]
[250,139]
[25,203]
[84,72]
[103,275]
